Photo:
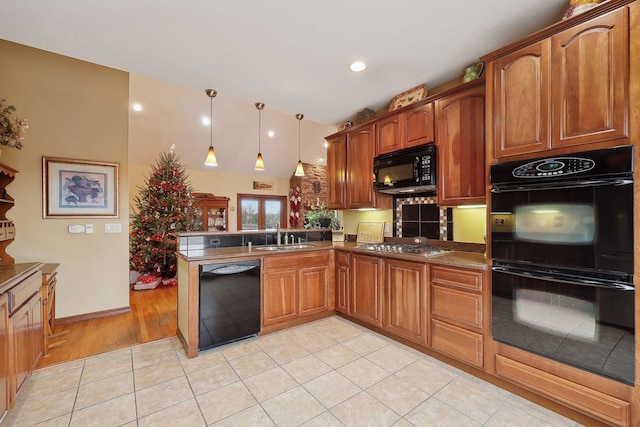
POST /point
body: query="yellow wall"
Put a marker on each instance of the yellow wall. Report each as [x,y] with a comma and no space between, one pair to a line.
[75,110]
[469,225]
[351,219]
[218,183]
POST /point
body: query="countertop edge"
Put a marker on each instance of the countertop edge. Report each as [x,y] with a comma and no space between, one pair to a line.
[16,278]
[462,259]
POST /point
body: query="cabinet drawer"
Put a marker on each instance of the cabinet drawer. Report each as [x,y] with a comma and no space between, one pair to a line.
[614,411]
[458,306]
[342,258]
[293,259]
[19,294]
[464,279]
[457,342]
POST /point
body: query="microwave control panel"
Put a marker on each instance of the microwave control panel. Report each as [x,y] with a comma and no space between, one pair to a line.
[425,169]
[553,167]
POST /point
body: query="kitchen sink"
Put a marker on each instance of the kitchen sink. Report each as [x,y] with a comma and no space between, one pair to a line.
[282,247]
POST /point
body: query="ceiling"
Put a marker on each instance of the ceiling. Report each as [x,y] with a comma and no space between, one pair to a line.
[291,55]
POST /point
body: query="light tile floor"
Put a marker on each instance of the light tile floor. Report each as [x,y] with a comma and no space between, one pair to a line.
[327,373]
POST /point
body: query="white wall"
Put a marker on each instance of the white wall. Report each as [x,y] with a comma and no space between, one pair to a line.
[75,110]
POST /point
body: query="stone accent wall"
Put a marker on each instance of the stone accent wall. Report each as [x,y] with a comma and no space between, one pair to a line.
[313,188]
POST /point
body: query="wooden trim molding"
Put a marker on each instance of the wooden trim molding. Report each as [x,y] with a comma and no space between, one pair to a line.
[94,315]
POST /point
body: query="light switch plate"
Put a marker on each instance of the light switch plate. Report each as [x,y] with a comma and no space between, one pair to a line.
[76,228]
[113,228]
[88,228]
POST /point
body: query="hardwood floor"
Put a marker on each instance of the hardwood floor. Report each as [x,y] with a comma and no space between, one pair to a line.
[152,317]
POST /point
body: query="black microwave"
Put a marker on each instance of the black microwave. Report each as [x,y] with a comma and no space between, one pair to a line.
[406,171]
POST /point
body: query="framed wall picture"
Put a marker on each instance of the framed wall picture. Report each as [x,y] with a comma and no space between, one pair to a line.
[79,188]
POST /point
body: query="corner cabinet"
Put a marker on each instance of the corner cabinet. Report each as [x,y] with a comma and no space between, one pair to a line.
[460,140]
[7,230]
[564,88]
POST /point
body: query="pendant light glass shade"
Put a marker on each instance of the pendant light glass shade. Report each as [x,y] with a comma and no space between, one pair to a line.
[299,168]
[259,162]
[211,155]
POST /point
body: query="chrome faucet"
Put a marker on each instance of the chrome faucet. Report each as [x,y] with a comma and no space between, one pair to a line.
[278,235]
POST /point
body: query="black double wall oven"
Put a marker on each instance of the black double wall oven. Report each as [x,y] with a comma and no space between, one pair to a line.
[562,259]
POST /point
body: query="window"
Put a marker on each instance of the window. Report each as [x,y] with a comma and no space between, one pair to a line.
[257,212]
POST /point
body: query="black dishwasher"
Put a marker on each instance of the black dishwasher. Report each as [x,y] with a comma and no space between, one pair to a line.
[229,302]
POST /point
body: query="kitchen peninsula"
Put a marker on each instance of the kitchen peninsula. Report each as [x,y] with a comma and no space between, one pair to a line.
[308,281]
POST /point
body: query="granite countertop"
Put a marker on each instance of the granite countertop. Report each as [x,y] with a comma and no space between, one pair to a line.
[11,275]
[455,258]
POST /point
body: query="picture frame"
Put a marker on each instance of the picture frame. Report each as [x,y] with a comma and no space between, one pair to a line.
[73,188]
[409,97]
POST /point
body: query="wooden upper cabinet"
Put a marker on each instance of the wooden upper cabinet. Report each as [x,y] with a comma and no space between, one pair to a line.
[390,134]
[410,128]
[522,101]
[418,125]
[336,172]
[589,81]
[461,147]
[568,89]
[361,149]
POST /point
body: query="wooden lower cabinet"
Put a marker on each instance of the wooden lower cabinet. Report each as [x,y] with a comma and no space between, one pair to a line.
[366,288]
[405,299]
[296,285]
[280,297]
[601,406]
[4,356]
[314,290]
[342,282]
[457,314]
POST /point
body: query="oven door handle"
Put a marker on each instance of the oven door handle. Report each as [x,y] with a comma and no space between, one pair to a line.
[563,185]
[563,278]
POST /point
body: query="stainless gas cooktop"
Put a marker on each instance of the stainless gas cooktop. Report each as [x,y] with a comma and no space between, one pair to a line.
[403,248]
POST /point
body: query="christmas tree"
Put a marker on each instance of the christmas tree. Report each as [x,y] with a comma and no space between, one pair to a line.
[165,207]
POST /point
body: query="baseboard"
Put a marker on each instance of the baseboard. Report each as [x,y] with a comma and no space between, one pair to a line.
[94,315]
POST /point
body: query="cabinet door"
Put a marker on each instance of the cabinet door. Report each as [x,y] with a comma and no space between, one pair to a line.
[405,299]
[418,125]
[21,334]
[390,132]
[280,299]
[4,356]
[336,173]
[37,329]
[590,81]
[314,290]
[366,288]
[521,101]
[460,141]
[342,282]
[360,149]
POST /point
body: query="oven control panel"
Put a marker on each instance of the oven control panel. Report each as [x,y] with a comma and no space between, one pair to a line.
[553,167]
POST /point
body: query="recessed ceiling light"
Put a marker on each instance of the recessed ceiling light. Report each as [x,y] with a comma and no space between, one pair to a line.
[271,134]
[136,107]
[206,121]
[357,66]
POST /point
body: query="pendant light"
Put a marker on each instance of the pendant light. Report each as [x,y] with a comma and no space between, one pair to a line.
[211,155]
[299,168]
[259,163]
